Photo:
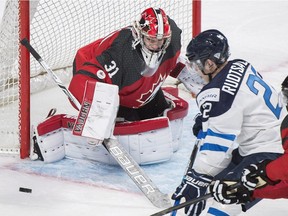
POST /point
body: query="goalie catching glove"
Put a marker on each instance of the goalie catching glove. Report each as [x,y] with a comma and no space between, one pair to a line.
[193,186]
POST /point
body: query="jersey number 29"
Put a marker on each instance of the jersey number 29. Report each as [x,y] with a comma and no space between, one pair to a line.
[267,94]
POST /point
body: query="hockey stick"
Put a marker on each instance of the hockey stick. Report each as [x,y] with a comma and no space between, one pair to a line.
[182,205]
[193,201]
[118,152]
[190,164]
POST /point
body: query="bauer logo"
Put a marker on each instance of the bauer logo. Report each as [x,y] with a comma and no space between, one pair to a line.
[126,164]
[210,95]
[79,124]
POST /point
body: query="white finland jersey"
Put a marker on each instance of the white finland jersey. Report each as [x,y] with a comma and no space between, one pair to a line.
[238,106]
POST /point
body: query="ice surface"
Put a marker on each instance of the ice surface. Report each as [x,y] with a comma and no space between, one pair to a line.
[257,32]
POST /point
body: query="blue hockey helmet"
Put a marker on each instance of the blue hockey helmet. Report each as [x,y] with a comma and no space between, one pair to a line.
[210,44]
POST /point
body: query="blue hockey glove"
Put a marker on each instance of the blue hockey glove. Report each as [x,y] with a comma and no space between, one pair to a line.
[193,186]
[222,193]
[197,125]
[284,84]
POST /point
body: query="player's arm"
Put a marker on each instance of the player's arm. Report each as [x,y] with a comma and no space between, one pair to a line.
[86,66]
[93,88]
[255,176]
[278,169]
[269,172]
[256,182]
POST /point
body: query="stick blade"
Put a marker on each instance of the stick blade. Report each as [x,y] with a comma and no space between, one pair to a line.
[136,174]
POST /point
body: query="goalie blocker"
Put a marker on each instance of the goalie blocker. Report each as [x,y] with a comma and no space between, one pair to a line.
[147,141]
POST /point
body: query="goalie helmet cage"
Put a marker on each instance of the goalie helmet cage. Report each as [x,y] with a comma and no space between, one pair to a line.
[56,29]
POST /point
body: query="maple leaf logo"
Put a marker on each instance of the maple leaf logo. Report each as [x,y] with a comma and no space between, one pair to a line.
[147,96]
[150,24]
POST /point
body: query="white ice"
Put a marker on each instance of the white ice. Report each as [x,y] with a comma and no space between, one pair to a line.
[257,32]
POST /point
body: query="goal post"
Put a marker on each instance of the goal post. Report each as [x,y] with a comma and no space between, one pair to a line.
[196,17]
[24,83]
[57,29]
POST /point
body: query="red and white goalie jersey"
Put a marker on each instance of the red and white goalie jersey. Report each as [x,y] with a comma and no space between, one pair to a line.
[113,60]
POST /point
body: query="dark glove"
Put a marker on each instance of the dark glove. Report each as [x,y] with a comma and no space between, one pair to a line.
[254,176]
[285,83]
[197,125]
[284,86]
[222,192]
[193,186]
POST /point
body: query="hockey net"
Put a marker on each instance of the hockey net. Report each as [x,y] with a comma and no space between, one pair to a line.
[56,29]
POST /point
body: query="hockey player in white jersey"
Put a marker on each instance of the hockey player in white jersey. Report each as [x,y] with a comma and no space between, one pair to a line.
[241,118]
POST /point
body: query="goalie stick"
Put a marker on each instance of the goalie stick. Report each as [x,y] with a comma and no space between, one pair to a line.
[118,152]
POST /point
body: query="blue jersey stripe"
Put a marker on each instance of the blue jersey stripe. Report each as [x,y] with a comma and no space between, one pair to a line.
[214,211]
[223,136]
[213,147]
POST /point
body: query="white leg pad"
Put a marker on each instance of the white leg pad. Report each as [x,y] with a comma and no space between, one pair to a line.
[148,141]
[176,128]
[148,147]
[176,115]
[52,146]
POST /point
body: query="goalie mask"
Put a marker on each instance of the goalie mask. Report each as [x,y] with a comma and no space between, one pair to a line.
[153,34]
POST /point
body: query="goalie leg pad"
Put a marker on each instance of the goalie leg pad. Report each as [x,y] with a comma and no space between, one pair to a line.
[147,141]
[176,113]
[48,140]
[176,132]
[149,147]
[98,112]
